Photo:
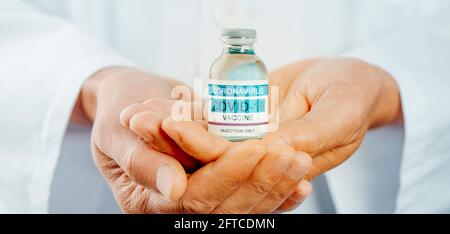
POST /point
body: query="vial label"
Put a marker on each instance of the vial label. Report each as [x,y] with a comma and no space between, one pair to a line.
[238,108]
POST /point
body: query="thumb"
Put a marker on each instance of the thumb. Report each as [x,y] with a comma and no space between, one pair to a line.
[295,103]
[157,171]
[144,166]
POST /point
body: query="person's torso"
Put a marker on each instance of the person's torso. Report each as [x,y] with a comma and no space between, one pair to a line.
[180,38]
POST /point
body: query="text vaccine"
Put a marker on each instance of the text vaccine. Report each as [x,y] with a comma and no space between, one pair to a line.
[238,89]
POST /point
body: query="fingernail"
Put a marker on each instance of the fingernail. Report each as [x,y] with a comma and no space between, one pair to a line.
[164,180]
[299,166]
[305,188]
[122,118]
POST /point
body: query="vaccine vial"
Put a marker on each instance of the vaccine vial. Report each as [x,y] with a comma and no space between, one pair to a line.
[238,89]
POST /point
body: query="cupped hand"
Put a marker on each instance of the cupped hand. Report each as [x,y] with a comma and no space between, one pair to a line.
[122,157]
[144,180]
[327,106]
[245,177]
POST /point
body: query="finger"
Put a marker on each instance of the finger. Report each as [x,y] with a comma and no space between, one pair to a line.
[212,184]
[148,126]
[162,106]
[166,106]
[268,173]
[195,140]
[142,164]
[286,186]
[303,190]
[183,109]
[125,190]
[331,159]
[155,170]
[145,119]
[264,177]
[128,112]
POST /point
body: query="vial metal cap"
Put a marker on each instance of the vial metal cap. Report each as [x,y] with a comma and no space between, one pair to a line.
[238,33]
[238,36]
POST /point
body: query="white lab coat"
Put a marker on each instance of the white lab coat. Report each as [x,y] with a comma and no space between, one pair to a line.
[44,60]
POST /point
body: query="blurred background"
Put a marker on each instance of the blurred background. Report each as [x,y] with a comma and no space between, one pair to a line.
[181,39]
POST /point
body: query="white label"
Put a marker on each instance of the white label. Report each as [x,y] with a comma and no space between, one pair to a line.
[238,109]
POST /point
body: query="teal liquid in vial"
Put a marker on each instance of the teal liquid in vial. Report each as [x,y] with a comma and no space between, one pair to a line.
[238,89]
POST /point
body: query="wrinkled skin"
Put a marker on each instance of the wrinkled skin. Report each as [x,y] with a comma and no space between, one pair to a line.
[247,177]
[326,108]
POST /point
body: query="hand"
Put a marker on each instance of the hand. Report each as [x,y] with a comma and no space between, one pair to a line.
[245,177]
[147,181]
[327,105]
[145,120]
[122,157]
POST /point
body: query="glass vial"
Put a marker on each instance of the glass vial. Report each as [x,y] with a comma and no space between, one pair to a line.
[238,89]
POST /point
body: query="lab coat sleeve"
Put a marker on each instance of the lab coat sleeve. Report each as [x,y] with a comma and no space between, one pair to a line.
[43,63]
[418,57]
